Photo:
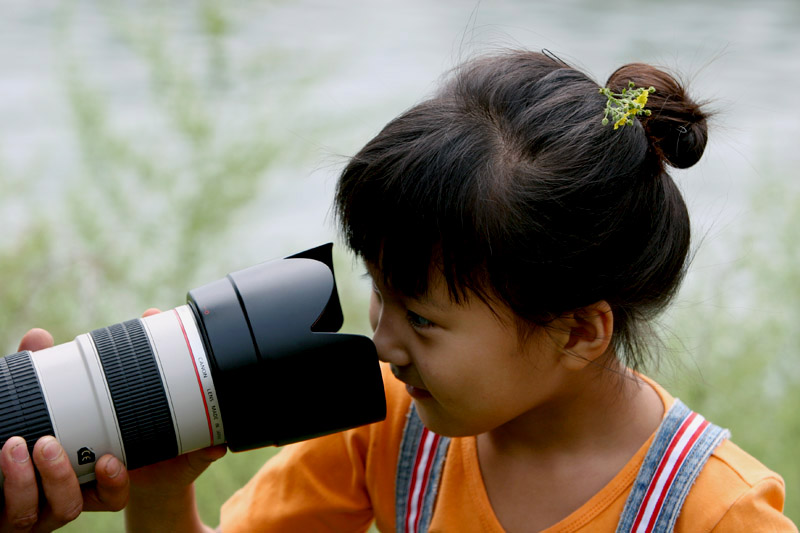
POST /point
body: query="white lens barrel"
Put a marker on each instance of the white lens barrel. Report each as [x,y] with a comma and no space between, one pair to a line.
[81,411]
[85,414]
[187,378]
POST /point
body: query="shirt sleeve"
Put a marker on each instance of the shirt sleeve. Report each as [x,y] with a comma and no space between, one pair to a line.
[758,509]
[317,485]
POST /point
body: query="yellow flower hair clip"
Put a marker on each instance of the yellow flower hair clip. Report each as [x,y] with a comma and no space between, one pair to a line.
[625,105]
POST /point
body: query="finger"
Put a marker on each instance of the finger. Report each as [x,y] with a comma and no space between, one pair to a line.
[59,482]
[150,312]
[111,491]
[36,339]
[201,459]
[19,487]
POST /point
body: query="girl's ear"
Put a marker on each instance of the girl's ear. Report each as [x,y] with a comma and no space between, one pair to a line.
[588,335]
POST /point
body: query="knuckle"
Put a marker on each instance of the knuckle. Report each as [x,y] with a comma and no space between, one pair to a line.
[58,472]
[114,498]
[117,504]
[69,512]
[24,522]
[61,475]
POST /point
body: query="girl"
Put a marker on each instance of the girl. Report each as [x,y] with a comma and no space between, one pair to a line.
[519,249]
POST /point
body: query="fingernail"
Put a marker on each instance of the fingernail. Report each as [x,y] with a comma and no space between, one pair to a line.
[19,453]
[113,467]
[51,450]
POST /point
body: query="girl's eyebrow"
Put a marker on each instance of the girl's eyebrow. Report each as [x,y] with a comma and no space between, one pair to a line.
[425,299]
[435,303]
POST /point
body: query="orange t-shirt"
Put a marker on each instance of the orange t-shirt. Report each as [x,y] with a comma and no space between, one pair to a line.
[343,482]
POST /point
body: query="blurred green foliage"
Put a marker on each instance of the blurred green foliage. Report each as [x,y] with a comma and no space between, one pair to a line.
[150,203]
[735,335]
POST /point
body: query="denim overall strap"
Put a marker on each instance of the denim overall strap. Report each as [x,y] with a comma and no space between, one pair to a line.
[682,445]
[419,467]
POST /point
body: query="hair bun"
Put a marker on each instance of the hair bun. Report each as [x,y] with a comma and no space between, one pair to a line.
[677,127]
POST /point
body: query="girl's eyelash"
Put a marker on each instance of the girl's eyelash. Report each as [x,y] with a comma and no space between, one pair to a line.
[418,322]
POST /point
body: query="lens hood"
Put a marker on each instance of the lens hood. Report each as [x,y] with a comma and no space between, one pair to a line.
[282,373]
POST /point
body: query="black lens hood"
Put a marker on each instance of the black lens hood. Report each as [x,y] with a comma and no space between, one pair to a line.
[281,372]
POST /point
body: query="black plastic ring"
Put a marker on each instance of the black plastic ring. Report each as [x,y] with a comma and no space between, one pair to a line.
[137,391]
[24,409]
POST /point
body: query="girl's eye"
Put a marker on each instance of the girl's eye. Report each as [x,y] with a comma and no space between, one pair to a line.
[417,321]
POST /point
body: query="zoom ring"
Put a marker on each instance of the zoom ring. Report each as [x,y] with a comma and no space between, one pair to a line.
[24,409]
[136,388]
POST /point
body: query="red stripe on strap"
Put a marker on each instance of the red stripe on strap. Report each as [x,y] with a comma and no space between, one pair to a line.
[420,483]
[689,445]
[662,464]
[413,484]
[425,479]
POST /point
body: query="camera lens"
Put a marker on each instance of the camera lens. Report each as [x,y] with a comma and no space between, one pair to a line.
[251,360]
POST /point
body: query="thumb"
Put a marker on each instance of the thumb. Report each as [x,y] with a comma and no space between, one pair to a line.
[36,339]
[199,460]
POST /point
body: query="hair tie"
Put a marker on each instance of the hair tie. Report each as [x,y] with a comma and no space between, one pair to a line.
[629,103]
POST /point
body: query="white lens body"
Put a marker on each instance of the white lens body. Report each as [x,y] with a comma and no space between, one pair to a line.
[81,408]
[186,373]
[78,401]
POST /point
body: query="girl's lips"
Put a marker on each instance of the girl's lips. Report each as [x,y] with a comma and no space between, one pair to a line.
[417,393]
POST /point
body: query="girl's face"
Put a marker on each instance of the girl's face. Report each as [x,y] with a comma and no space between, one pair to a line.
[463,364]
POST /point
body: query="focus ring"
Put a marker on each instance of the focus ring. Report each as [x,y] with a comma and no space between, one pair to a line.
[134,381]
[25,412]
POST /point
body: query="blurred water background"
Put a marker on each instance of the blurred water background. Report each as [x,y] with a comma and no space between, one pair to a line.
[148,147]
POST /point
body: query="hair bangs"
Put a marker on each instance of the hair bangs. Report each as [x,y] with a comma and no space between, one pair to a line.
[409,207]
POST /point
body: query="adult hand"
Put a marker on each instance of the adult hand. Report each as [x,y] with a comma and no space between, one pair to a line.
[61,498]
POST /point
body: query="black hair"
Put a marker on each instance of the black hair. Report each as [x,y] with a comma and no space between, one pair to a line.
[507,182]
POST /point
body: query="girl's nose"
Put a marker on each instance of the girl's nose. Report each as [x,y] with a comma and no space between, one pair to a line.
[385,327]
